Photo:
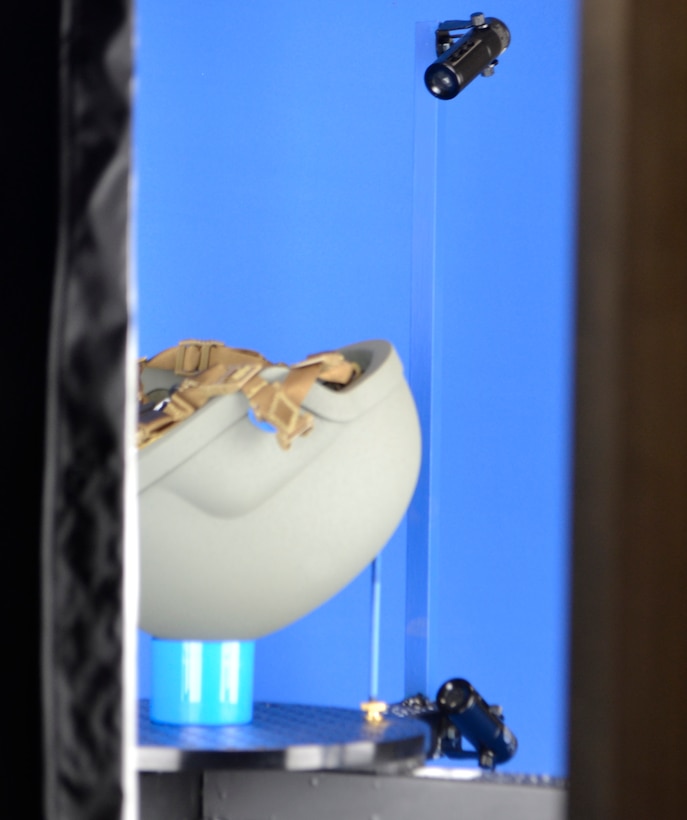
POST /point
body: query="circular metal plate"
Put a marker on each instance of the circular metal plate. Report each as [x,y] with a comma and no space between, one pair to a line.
[288,737]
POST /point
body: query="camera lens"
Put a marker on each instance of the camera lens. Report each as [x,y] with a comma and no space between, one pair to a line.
[441,81]
[455,695]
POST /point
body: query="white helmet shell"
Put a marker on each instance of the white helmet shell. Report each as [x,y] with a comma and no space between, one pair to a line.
[240,538]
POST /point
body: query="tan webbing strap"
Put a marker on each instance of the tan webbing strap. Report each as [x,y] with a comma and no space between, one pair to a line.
[228,370]
[274,405]
[192,356]
[335,368]
[192,394]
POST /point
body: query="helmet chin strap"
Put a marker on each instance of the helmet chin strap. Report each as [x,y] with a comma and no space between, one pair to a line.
[210,369]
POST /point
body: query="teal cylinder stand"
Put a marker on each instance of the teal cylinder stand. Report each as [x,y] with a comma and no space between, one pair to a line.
[208,683]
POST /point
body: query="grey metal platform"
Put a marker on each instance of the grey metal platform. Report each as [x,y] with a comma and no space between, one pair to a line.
[347,796]
[288,738]
[438,793]
[309,762]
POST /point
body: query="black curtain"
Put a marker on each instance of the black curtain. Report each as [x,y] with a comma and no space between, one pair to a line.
[64,195]
[28,197]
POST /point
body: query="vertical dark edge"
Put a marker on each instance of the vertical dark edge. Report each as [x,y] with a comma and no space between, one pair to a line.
[84,497]
[602,173]
[28,207]
[628,717]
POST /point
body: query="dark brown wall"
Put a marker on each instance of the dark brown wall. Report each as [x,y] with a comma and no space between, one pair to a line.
[629,646]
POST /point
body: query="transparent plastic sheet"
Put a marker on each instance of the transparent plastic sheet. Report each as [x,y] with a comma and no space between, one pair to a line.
[84,478]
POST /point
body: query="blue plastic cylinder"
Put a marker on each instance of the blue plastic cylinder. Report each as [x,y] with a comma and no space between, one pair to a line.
[207,683]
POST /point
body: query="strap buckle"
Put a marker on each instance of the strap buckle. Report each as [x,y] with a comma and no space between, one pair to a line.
[193,356]
[273,405]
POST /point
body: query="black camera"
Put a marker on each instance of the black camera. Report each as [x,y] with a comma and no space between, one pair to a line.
[480,724]
[461,713]
[461,59]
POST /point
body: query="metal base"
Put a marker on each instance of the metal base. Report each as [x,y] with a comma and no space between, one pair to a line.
[335,796]
[288,738]
[439,793]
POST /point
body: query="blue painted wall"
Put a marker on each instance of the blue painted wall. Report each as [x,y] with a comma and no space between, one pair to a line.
[274,147]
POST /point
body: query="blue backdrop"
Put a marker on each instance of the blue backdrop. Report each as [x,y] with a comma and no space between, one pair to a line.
[294,193]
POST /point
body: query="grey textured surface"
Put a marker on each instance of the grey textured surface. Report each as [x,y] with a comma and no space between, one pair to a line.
[294,796]
[168,796]
[437,792]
